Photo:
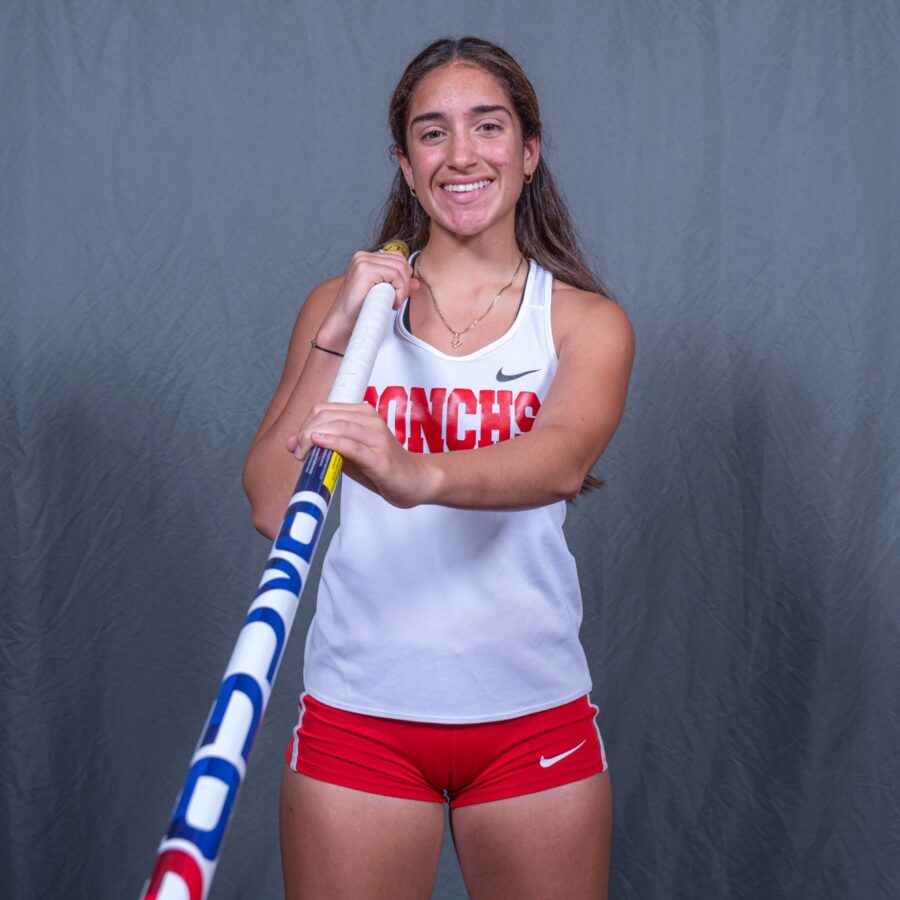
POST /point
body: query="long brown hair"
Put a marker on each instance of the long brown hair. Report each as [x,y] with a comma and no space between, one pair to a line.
[543,230]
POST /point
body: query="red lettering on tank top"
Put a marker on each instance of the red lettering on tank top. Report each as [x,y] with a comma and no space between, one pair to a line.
[426,420]
[392,408]
[527,406]
[417,418]
[460,397]
[495,409]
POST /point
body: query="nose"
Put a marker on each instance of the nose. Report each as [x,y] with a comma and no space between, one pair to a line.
[461,152]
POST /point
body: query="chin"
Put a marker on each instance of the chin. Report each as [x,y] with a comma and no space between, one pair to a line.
[472,225]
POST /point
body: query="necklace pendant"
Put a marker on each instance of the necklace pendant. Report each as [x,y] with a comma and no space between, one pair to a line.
[457,335]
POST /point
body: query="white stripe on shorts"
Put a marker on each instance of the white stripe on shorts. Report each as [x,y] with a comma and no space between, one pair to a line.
[599,736]
[296,748]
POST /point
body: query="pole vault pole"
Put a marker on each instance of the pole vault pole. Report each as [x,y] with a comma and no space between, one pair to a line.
[187,857]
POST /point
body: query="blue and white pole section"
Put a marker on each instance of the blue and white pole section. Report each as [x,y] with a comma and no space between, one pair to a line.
[187,857]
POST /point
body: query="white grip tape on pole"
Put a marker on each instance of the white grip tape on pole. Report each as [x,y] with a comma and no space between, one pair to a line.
[356,367]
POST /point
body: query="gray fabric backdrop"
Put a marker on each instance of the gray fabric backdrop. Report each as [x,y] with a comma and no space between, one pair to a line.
[177,176]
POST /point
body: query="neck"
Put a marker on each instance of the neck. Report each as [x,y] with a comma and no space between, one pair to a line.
[469,260]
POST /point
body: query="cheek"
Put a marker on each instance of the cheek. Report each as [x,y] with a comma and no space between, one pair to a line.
[422,163]
[500,159]
[508,157]
[509,162]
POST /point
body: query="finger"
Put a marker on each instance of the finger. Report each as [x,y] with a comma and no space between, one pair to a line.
[402,283]
[300,443]
[351,449]
[362,429]
[381,262]
[406,270]
[302,448]
[388,266]
[296,447]
[401,294]
[357,420]
[327,413]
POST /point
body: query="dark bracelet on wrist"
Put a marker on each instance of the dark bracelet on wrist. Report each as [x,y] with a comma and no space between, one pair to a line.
[316,346]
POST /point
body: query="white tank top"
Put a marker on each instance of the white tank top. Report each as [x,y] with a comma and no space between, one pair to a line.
[446,615]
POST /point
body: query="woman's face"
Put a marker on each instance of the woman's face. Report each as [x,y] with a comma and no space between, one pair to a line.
[466,157]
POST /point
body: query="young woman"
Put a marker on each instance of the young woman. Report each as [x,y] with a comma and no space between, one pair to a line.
[443,663]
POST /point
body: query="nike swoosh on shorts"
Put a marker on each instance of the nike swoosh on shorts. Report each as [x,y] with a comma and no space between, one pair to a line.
[502,377]
[553,760]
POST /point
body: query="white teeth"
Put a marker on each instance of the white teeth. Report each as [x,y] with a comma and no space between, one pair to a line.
[461,188]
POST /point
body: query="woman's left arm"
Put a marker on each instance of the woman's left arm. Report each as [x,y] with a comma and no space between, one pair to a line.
[576,421]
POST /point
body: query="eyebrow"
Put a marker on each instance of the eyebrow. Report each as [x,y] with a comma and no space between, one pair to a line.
[475,110]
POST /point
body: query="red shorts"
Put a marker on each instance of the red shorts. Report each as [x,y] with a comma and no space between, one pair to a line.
[465,764]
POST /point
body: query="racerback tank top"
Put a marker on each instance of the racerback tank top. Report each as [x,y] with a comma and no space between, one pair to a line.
[451,615]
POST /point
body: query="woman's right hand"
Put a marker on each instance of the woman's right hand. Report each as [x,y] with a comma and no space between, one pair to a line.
[364,272]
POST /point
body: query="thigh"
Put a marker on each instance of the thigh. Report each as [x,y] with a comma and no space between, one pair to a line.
[338,843]
[540,846]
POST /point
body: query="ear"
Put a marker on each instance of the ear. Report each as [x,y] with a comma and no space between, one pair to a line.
[405,167]
[532,153]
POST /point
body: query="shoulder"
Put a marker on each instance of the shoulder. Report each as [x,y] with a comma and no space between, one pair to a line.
[582,318]
[315,307]
[323,294]
[309,319]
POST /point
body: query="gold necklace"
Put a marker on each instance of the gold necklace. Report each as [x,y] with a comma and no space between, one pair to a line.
[457,335]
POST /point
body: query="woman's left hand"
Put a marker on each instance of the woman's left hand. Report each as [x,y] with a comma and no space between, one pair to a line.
[372,454]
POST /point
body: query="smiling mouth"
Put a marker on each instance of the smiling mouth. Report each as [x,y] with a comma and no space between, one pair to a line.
[465,188]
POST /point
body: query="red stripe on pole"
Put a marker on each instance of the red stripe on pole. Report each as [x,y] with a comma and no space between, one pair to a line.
[181,865]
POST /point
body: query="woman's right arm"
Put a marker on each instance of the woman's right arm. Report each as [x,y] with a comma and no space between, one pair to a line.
[328,316]
[270,473]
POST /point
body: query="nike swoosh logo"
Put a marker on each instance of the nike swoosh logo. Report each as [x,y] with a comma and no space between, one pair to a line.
[553,760]
[502,377]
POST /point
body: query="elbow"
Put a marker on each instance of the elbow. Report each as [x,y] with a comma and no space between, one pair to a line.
[264,517]
[570,488]
[266,525]
[552,490]
[261,515]
[574,482]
